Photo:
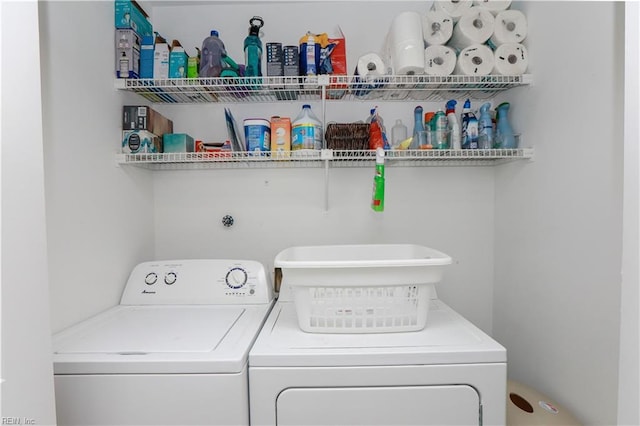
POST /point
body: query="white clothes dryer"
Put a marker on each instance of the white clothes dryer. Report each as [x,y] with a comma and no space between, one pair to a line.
[449,373]
[174,352]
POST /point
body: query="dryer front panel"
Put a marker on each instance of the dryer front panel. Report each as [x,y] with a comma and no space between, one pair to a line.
[385,405]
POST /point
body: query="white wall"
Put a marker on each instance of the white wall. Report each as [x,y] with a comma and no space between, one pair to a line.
[99,215]
[27,393]
[558,219]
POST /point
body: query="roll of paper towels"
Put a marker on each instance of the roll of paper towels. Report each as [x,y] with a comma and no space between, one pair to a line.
[405,44]
[439,60]
[437,27]
[370,73]
[493,6]
[510,27]
[474,27]
[477,59]
[511,59]
[453,8]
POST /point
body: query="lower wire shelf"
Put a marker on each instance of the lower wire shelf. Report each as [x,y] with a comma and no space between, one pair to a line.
[321,158]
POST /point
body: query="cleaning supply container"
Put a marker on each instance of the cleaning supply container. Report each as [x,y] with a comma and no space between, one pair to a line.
[361,288]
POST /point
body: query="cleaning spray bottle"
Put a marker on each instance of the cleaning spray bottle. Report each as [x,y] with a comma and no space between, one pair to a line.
[253,48]
[485,127]
[469,127]
[377,198]
[453,125]
[505,138]
[419,135]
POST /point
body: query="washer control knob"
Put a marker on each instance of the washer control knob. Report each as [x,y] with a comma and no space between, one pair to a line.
[170,278]
[151,278]
[236,278]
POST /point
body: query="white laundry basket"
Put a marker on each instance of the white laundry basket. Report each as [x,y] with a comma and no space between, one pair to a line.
[361,288]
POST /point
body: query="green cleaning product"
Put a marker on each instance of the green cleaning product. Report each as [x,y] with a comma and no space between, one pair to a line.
[377,199]
[253,48]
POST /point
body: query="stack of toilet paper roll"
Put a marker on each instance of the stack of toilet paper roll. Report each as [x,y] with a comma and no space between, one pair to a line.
[487,37]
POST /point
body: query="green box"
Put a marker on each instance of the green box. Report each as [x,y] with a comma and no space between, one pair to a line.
[177,142]
[129,14]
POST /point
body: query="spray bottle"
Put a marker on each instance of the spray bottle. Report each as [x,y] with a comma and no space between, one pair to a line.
[453,125]
[377,198]
[469,127]
[485,127]
[505,138]
[419,135]
[253,48]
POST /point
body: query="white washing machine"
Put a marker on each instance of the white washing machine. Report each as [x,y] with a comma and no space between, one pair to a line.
[174,352]
[448,373]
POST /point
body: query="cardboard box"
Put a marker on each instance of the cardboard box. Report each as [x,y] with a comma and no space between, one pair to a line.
[338,63]
[161,59]
[129,14]
[280,136]
[140,117]
[178,59]
[127,59]
[146,57]
[177,142]
[140,141]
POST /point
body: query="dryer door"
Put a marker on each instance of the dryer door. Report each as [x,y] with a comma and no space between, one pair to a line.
[388,405]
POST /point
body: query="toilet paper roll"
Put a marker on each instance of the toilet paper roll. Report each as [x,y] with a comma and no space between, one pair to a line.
[406,46]
[439,60]
[370,74]
[454,8]
[474,27]
[493,6]
[437,28]
[477,59]
[511,59]
[510,27]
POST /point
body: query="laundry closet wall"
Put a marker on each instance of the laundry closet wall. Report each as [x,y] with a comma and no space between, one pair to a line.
[536,244]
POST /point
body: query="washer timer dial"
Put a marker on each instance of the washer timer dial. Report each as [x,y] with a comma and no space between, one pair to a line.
[236,278]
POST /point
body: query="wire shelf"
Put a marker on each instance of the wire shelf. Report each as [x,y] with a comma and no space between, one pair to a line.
[349,88]
[334,158]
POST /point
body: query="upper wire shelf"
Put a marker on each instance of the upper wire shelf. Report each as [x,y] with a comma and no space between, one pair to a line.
[312,88]
[320,158]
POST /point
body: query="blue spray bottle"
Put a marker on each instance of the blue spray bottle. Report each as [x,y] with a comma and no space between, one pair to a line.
[485,128]
[253,49]
[505,138]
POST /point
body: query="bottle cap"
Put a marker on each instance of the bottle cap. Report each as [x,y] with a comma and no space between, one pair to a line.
[379,156]
[215,33]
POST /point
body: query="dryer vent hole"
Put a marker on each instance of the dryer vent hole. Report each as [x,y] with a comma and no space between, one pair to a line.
[520,402]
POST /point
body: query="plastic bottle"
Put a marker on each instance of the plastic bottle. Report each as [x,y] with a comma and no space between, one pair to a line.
[469,127]
[439,130]
[310,47]
[453,125]
[377,198]
[398,134]
[306,131]
[505,138]
[123,71]
[419,135]
[213,51]
[253,48]
[485,127]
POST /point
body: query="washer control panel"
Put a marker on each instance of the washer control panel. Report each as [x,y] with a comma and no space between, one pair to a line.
[198,281]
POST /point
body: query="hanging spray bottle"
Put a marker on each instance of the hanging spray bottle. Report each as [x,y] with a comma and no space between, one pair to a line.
[253,49]
[377,199]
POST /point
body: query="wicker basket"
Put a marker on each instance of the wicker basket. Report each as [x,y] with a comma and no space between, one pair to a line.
[347,136]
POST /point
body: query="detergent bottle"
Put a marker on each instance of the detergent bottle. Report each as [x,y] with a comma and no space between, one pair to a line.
[253,48]
[212,54]
[469,127]
[505,138]
[306,131]
[453,125]
[485,127]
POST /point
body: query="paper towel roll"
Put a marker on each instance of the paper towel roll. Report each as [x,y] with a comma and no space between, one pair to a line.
[474,27]
[493,6]
[437,27]
[370,74]
[406,46]
[511,59]
[439,60]
[477,59]
[453,8]
[510,27]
